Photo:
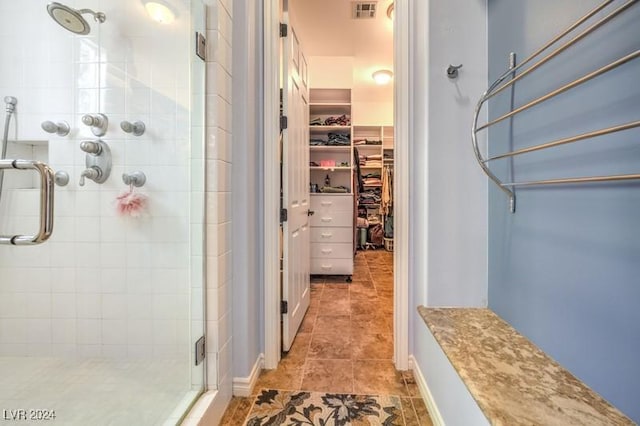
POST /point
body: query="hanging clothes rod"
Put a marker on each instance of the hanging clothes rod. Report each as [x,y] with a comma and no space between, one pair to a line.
[497,86]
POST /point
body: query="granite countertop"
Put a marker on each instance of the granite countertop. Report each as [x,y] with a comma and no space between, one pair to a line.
[514,382]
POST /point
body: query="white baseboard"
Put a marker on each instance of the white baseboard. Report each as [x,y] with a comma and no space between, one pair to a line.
[436,417]
[243,386]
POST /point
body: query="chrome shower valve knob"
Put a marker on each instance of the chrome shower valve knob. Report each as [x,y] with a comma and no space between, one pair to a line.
[97,122]
[61,128]
[91,147]
[136,128]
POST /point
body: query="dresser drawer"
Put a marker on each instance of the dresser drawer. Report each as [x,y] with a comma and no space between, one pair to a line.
[322,204]
[331,251]
[331,235]
[332,266]
[333,219]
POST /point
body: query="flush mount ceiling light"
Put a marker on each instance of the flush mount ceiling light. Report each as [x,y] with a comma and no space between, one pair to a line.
[390,11]
[159,11]
[382,76]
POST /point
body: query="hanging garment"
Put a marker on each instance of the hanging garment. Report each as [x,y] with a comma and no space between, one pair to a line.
[387,191]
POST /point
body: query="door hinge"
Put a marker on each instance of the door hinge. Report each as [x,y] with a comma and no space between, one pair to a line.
[284,122]
[201,46]
[283,30]
[284,215]
[200,350]
[284,307]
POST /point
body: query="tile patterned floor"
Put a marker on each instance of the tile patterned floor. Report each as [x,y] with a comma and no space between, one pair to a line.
[94,391]
[345,343]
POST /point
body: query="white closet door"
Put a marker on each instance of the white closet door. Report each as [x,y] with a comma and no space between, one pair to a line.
[295,175]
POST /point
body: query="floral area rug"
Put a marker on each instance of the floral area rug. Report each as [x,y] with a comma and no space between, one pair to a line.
[297,408]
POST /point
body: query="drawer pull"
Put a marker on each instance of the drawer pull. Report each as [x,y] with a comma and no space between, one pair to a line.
[326,219]
[327,251]
[326,235]
[326,203]
[326,266]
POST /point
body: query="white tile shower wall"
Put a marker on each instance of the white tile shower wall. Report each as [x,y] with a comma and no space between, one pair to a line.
[104,285]
[218,181]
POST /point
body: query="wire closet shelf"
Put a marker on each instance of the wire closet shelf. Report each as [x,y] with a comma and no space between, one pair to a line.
[516,73]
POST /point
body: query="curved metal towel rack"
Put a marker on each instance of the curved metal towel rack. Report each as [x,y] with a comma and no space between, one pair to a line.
[497,87]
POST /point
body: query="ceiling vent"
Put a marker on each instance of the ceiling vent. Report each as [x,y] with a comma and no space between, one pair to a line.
[363,9]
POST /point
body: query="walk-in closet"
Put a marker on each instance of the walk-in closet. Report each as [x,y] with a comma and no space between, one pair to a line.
[346,57]
[337,145]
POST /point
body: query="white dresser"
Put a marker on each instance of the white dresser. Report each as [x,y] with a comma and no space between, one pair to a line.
[332,234]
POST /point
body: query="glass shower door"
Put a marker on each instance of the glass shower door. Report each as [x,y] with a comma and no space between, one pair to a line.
[98,324]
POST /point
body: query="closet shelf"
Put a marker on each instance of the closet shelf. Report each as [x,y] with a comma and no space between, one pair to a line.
[331,169]
[329,128]
[329,104]
[326,148]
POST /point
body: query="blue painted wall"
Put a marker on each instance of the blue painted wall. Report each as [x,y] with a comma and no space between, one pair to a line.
[565,268]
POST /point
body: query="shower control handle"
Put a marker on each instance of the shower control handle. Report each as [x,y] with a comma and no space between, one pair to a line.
[97,161]
[97,122]
[90,147]
[94,173]
[136,128]
[61,128]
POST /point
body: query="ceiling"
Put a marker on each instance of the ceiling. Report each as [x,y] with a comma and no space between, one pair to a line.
[325,28]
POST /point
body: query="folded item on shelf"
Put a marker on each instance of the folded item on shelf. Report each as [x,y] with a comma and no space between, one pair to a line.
[316,121]
[314,164]
[374,157]
[372,181]
[327,163]
[369,142]
[372,175]
[334,189]
[317,142]
[342,120]
[338,139]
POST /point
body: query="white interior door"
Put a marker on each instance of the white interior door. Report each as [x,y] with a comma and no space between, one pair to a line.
[295,184]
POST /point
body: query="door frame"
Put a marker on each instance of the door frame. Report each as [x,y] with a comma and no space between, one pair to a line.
[271,188]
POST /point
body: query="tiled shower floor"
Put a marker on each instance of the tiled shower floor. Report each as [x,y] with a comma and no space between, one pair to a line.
[345,343]
[93,391]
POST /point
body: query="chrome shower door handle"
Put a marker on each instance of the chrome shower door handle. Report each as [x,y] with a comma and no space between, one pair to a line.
[47,182]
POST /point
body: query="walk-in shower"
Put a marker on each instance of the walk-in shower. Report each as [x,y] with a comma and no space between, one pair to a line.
[99,322]
[71,19]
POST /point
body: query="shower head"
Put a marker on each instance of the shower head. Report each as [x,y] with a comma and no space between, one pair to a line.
[71,19]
